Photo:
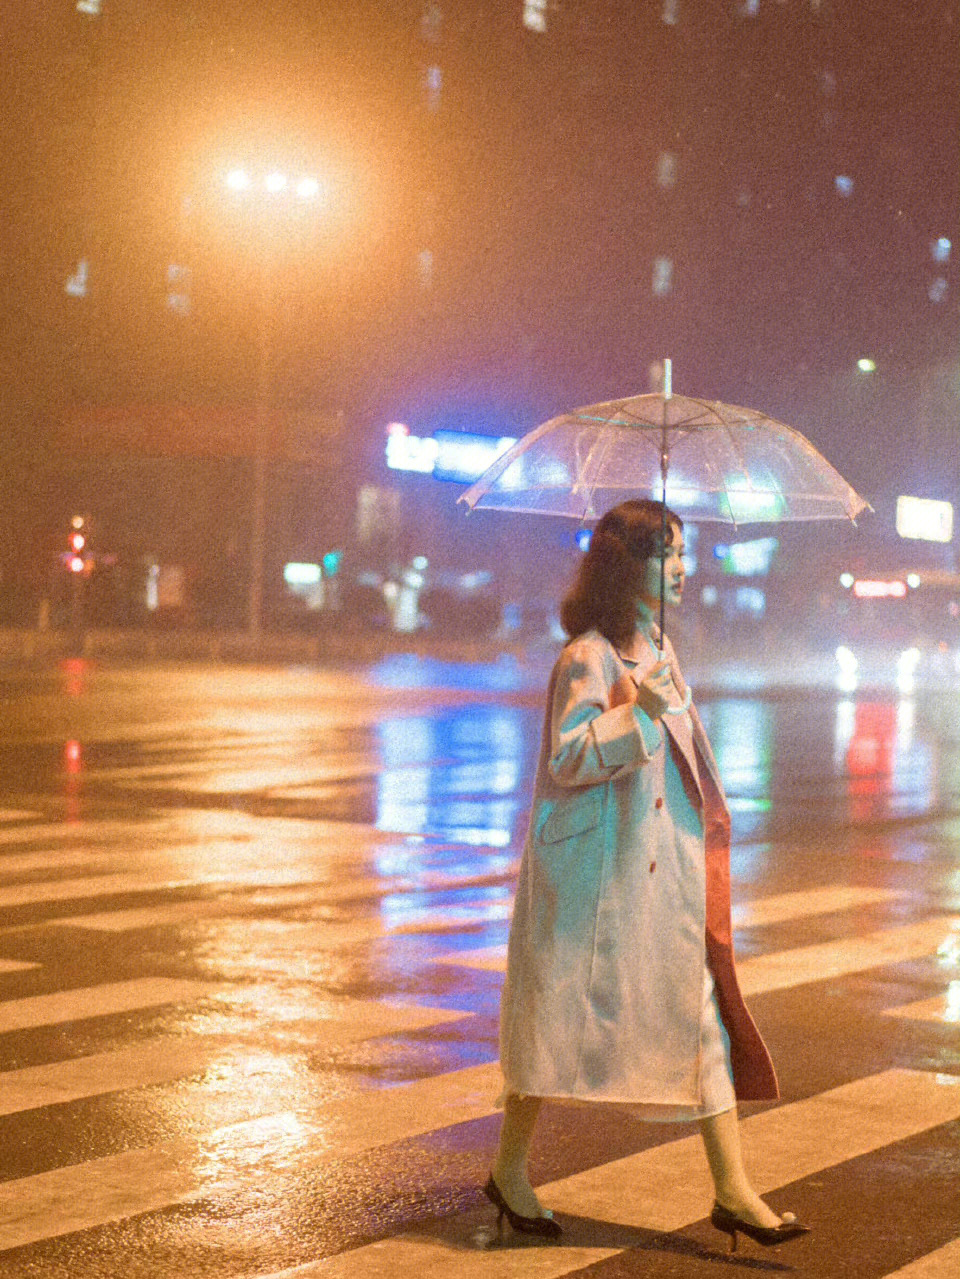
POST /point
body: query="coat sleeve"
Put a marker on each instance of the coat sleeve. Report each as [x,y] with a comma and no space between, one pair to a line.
[590,741]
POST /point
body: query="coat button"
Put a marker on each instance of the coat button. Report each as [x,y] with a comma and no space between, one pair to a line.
[653,867]
[659,802]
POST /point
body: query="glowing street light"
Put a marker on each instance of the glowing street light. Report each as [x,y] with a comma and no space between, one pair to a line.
[306,187]
[274,183]
[866,365]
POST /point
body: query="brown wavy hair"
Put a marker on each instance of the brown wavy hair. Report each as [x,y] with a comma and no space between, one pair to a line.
[610,577]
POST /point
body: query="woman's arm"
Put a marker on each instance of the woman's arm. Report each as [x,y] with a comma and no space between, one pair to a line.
[592,738]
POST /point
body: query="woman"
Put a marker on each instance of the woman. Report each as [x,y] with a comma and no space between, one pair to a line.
[620,982]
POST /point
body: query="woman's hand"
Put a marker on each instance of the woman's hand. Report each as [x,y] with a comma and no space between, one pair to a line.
[653,691]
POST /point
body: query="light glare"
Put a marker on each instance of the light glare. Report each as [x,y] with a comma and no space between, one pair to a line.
[275,182]
[238,180]
[308,188]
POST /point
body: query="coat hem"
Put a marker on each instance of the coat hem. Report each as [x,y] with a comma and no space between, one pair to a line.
[600,1098]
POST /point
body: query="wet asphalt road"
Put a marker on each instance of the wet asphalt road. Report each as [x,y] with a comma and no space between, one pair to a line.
[251,942]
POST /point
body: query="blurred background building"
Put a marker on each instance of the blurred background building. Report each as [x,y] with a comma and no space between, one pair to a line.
[244,251]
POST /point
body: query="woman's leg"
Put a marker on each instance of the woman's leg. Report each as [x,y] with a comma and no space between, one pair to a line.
[721,1138]
[510,1165]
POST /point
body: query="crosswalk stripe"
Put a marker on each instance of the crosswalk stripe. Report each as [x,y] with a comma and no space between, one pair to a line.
[97,1001]
[788,968]
[206,779]
[398,1113]
[783,969]
[323,934]
[942,1264]
[318,834]
[16,814]
[101,1190]
[943,1008]
[15,965]
[155,1061]
[666,1188]
[55,890]
[344,1020]
[302,894]
[783,907]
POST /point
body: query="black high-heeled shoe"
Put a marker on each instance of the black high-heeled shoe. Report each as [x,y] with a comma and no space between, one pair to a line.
[730,1223]
[545,1226]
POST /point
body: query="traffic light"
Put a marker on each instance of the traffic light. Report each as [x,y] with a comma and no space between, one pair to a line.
[74,558]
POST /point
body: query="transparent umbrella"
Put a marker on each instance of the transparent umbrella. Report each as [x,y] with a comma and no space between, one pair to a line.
[707,461]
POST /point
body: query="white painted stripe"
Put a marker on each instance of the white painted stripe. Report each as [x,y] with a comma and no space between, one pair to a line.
[56,890]
[47,830]
[667,1187]
[260,832]
[344,1021]
[783,907]
[943,1008]
[17,814]
[942,1264]
[824,960]
[783,969]
[319,934]
[98,1001]
[203,779]
[308,894]
[15,965]
[156,1061]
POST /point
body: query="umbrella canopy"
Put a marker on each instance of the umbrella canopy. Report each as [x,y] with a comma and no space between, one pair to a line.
[718,461]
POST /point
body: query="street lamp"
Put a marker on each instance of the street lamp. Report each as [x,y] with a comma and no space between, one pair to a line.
[307,188]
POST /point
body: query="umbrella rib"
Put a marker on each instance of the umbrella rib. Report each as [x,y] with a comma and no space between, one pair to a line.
[601,443]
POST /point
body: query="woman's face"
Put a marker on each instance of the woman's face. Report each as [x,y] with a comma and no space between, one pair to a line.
[674,572]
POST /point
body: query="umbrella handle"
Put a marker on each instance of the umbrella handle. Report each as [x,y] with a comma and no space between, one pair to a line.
[679,710]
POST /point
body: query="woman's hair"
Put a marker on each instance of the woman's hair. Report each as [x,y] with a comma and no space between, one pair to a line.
[610,577]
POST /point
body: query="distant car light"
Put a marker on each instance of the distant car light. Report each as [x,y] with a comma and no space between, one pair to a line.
[871,589]
[848,666]
[846,658]
[909,660]
[907,664]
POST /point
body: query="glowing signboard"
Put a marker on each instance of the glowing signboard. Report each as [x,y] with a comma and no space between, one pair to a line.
[747,559]
[925,520]
[461,456]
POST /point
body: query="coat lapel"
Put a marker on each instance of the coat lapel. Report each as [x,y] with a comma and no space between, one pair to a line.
[701,754]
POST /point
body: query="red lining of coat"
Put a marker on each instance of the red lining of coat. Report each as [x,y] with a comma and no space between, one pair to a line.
[754,1077]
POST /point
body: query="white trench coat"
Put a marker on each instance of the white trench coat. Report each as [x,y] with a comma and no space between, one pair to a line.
[622,899]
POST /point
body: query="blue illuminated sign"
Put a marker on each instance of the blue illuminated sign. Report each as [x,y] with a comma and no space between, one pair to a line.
[461,456]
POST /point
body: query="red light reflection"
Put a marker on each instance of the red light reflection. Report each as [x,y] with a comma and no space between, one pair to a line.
[73,773]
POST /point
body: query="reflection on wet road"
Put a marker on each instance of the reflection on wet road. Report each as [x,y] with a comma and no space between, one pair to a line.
[253,929]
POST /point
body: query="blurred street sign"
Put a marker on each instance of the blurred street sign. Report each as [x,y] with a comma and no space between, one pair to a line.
[924,519]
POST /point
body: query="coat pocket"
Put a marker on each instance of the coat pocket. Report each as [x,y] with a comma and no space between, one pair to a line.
[571,815]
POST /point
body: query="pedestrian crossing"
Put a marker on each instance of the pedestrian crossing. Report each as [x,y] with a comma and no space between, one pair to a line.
[665,1189]
[659,1189]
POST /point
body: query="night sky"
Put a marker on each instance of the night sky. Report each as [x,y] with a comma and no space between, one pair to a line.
[512,221]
